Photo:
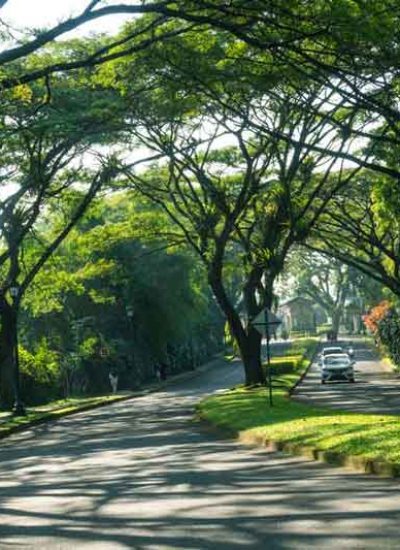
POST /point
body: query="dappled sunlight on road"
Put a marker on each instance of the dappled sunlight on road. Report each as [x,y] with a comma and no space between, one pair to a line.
[144,474]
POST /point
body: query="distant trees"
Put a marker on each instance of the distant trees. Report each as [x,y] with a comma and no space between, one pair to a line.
[329,283]
[110,299]
[360,227]
[325,281]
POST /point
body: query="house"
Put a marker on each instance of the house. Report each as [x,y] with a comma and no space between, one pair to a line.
[298,314]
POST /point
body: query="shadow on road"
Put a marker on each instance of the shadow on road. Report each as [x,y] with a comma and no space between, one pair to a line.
[142,474]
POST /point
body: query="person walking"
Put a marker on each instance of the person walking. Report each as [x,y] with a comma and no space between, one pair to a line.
[113,376]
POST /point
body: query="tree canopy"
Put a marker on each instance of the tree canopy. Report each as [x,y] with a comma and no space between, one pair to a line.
[234,132]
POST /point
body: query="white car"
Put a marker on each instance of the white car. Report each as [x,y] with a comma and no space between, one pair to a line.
[337,366]
[335,349]
[328,351]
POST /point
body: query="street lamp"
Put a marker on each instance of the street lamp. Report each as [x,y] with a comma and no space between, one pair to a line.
[19,408]
[131,313]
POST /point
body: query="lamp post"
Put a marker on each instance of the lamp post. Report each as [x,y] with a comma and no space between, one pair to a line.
[131,313]
[19,408]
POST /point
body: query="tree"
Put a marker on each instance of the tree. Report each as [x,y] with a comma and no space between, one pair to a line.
[314,45]
[361,229]
[251,200]
[43,163]
[113,299]
[324,280]
[248,203]
[16,60]
[310,42]
[294,92]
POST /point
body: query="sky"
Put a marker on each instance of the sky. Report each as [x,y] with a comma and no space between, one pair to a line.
[39,13]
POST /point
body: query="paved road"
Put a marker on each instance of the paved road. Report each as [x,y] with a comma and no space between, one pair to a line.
[142,474]
[376,390]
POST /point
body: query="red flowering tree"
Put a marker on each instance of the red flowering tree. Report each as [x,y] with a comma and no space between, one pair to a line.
[376,315]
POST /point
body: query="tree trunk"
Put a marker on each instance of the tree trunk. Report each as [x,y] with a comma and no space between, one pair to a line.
[250,352]
[249,343]
[7,340]
[336,318]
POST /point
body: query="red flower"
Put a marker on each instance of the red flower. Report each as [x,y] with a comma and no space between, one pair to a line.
[375,315]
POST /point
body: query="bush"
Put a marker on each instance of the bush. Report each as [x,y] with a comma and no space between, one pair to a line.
[285,365]
[292,358]
[301,346]
[388,333]
[40,374]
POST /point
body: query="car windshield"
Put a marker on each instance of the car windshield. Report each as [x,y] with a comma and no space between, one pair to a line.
[328,351]
[331,360]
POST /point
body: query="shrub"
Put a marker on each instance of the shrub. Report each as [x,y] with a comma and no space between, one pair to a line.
[40,374]
[388,333]
[284,365]
[293,357]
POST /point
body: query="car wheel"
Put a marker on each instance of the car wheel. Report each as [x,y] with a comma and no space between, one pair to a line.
[351,380]
[322,381]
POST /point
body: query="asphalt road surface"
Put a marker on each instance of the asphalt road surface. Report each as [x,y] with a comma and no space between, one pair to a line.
[376,389]
[143,474]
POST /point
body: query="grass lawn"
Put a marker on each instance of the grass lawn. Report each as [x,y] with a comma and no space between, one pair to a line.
[246,412]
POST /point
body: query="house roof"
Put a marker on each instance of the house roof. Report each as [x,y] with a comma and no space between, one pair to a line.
[297,299]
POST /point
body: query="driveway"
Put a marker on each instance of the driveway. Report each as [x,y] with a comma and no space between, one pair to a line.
[376,388]
[143,474]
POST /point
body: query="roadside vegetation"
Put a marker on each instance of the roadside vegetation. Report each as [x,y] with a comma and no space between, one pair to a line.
[383,322]
[112,300]
[292,358]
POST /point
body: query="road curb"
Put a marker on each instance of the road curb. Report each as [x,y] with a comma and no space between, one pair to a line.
[306,370]
[356,463]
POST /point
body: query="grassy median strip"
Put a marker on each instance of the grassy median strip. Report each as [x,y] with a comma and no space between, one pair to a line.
[367,442]
[247,414]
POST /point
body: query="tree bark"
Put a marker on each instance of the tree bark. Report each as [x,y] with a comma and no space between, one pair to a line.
[250,352]
[249,343]
[7,340]
[336,318]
